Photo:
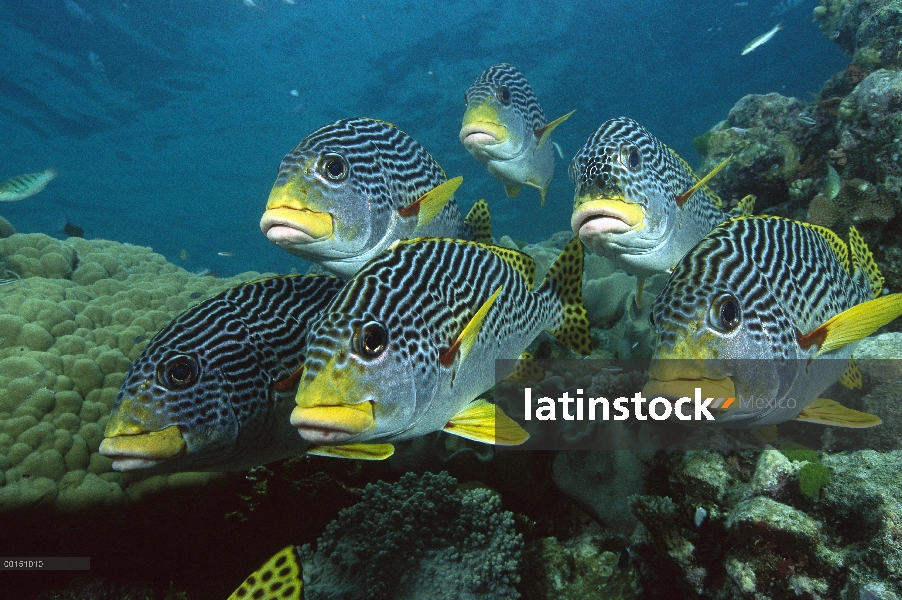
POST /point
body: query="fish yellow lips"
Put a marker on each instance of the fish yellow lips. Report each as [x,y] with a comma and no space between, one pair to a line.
[481,133]
[290,226]
[605,216]
[685,388]
[142,450]
[333,424]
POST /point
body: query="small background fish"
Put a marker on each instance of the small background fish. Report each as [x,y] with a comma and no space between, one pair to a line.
[21,187]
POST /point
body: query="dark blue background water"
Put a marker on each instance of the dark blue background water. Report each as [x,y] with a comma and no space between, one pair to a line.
[171,136]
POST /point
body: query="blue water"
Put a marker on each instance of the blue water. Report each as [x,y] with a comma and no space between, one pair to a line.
[168,118]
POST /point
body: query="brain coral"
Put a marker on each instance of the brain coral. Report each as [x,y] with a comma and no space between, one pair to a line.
[76,316]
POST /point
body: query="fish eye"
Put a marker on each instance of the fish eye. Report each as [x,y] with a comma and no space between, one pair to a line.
[333,167]
[503,94]
[179,372]
[371,339]
[630,158]
[725,314]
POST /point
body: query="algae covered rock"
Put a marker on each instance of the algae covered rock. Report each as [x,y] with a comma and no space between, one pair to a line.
[870,31]
[75,316]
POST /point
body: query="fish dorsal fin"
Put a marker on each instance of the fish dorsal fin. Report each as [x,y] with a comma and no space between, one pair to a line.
[862,259]
[566,274]
[830,412]
[837,244]
[279,577]
[482,421]
[745,208]
[542,133]
[355,451]
[681,199]
[431,203]
[767,434]
[480,221]
[527,368]
[466,339]
[520,261]
[853,324]
[852,377]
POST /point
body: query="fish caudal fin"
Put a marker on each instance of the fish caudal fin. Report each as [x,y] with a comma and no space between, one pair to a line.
[482,421]
[830,412]
[745,208]
[280,577]
[863,260]
[566,278]
[355,451]
[480,221]
[682,198]
[853,324]
[543,132]
[852,377]
[431,203]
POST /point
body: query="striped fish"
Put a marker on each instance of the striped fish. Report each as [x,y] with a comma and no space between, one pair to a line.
[637,202]
[24,186]
[213,390]
[353,187]
[411,341]
[505,129]
[769,308]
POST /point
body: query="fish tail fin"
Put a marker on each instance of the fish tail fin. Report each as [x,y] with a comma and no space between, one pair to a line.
[565,280]
[745,208]
[280,577]
[480,221]
[863,260]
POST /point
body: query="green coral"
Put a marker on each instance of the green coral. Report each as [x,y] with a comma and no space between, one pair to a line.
[812,477]
[701,142]
[77,315]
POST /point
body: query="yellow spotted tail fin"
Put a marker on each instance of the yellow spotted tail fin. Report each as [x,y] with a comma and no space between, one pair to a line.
[280,577]
[480,221]
[864,260]
[567,274]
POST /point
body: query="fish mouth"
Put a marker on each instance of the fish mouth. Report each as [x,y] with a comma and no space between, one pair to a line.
[611,216]
[675,389]
[292,227]
[131,452]
[481,133]
[334,424]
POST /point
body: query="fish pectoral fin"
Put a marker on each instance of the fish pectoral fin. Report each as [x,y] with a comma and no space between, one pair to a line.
[830,412]
[543,132]
[852,378]
[466,339]
[482,421]
[480,221]
[745,207]
[283,568]
[291,382]
[431,203]
[682,198]
[768,434]
[512,189]
[355,451]
[853,324]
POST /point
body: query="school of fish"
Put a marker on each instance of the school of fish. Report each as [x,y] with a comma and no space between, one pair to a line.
[403,342]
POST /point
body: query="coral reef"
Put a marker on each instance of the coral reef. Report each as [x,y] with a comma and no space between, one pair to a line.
[6,228]
[870,31]
[418,538]
[78,314]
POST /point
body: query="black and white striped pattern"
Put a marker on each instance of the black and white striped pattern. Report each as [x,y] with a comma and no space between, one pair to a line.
[661,175]
[388,170]
[243,341]
[523,99]
[785,276]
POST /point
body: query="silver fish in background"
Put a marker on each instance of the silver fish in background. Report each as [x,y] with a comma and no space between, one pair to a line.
[214,389]
[761,39]
[637,202]
[505,129]
[411,341]
[770,308]
[352,188]
[21,187]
